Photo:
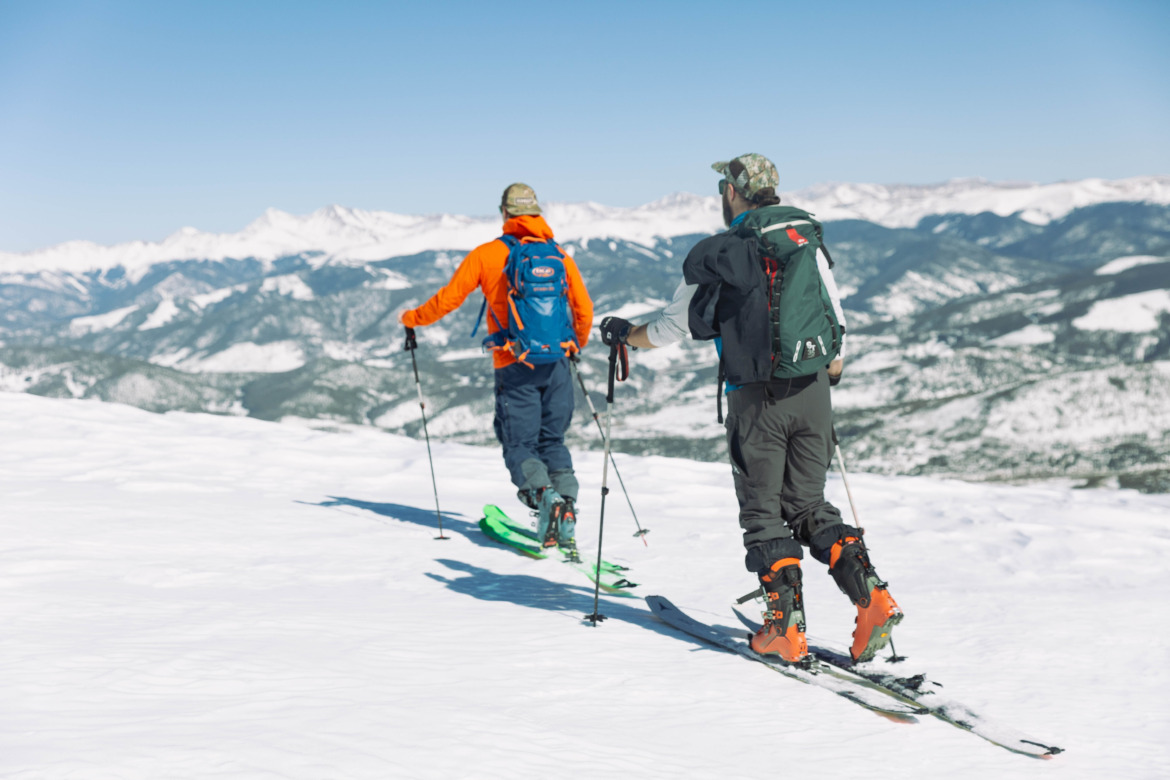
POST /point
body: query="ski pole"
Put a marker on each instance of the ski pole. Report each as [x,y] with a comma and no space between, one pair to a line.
[574,360]
[894,657]
[613,359]
[411,346]
[845,479]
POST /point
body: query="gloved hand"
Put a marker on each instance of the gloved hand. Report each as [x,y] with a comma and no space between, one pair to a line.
[615,330]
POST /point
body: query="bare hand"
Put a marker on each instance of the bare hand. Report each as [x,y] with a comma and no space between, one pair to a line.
[835,369]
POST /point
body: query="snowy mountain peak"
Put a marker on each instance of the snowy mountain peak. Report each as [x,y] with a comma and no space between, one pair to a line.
[348,234]
[904,205]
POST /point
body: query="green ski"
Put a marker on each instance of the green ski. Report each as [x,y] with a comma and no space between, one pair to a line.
[498,527]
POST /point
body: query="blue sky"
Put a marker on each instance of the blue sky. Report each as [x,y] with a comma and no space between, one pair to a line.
[122,121]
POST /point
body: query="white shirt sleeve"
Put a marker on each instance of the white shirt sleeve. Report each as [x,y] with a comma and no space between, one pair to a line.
[834,296]
[673,323]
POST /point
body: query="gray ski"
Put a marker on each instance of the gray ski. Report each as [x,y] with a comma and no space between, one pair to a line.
[922,692]
[820,675]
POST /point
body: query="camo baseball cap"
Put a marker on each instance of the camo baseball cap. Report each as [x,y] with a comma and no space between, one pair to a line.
[519,199]
[758,172]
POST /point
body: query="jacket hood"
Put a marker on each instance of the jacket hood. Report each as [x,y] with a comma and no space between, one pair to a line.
[528,225]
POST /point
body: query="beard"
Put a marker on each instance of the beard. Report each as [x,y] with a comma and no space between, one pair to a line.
[726,208]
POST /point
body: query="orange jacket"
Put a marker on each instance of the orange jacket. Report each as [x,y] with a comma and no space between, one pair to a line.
[484,268]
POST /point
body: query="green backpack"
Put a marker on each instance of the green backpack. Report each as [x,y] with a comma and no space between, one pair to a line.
[806,334]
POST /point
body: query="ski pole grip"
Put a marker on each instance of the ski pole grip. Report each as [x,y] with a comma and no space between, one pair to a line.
[411,344]
[613,356]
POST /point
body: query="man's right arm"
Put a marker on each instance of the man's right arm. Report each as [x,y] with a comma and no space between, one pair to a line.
[670,325]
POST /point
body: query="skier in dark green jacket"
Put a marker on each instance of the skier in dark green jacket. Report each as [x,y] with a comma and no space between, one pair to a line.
[779,422]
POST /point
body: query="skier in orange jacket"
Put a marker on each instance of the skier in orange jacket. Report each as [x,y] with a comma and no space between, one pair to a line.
[534,403]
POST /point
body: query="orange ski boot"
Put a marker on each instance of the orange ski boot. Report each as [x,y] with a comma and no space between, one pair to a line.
[877,612]
[783,631]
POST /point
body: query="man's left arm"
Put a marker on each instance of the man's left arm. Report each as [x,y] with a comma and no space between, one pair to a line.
[837,365]
[579,301]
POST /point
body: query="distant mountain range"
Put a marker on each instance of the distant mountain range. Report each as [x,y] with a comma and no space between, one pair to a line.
[337,233]
[997,331]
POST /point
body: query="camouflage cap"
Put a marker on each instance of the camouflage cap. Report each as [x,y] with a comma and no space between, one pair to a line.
[758,172]
[519,199]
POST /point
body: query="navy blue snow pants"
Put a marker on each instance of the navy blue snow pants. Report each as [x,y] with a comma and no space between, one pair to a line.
[534,407]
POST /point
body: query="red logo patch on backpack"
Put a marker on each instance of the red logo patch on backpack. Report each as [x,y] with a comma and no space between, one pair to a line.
[797,237]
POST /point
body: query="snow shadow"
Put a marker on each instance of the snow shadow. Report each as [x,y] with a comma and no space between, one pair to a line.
[521,589]
[526,590]
[452,521]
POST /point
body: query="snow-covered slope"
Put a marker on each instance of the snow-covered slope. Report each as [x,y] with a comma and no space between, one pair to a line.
[340,233]
[198,596]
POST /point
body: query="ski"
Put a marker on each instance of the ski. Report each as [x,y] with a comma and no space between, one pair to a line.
[498,527]
[823,676]
[920,691]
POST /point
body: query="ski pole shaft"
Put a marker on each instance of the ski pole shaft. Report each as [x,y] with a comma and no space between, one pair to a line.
[597,420]
[845,480]
[411,346]
[848,492]
[613,356]
[894,657]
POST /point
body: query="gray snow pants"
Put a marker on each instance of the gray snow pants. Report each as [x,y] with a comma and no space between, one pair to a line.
[780,448]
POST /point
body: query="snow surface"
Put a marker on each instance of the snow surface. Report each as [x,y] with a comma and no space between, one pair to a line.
[164,312]
[904,205]
[273,357]
[215,296]
[1026,336]
[1126,263]
[347,234]
[213,597]
[1135,313]
[81,325]
[452,355]
[289,285]
[389,281]
[632,309]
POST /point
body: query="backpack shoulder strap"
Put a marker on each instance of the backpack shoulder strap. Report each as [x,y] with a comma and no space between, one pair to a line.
[511,242]
[828,257]
[823,248]
[479,317]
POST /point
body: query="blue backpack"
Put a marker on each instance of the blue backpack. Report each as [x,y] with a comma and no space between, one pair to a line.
[540,326]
